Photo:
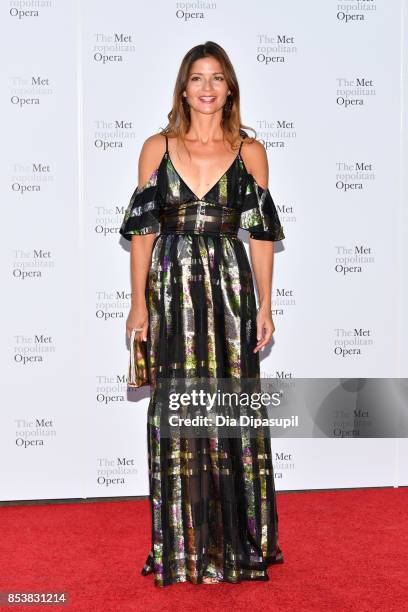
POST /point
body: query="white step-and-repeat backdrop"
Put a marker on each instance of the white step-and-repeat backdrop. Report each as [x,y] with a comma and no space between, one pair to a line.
[324,84]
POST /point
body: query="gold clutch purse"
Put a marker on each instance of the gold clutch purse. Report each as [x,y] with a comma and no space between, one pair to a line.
[138,365]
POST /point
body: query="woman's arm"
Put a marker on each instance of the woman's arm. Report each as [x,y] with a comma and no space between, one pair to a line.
[261,251]
[141,246]
[140,259]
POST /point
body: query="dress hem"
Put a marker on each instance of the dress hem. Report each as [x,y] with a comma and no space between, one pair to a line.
[185,578]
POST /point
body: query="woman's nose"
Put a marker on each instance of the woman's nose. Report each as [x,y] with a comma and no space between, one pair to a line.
[207,85]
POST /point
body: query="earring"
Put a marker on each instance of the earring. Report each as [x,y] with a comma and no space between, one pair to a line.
[227,106]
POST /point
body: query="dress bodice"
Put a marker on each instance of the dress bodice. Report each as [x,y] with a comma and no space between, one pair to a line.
[166,204]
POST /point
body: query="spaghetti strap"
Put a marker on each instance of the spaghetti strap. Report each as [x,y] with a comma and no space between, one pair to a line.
[167,147]
[239,150]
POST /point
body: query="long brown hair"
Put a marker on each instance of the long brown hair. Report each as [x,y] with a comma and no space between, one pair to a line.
[179,116]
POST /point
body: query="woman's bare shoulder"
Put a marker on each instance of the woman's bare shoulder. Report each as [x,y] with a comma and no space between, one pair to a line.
[255,159]
[154,146]
[151,154]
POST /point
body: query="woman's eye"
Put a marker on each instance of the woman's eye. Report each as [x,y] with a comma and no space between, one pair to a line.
[217,78]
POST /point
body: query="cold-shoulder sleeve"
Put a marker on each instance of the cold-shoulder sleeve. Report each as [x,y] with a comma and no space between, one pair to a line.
[142,216]
[259,215]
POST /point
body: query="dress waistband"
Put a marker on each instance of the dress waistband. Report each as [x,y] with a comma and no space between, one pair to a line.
[200,218]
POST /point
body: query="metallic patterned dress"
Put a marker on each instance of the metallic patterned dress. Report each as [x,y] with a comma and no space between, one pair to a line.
[213,505]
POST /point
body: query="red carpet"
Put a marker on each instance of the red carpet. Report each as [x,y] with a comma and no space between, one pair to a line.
[344,550]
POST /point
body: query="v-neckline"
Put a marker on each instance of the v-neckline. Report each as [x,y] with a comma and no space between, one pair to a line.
[188,186]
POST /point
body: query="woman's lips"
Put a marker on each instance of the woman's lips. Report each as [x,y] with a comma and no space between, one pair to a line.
[207,99]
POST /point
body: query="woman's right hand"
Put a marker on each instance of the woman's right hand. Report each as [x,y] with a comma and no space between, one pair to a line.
[138,317]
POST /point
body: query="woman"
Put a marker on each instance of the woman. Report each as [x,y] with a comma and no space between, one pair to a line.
[212,499]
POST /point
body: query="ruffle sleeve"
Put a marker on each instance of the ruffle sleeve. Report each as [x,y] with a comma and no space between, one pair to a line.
[142,216]
[259,215]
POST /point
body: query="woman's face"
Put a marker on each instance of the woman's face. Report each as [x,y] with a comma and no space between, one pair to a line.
[206,87]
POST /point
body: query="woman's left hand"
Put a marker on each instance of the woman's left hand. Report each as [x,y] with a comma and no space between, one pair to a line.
[264,327]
